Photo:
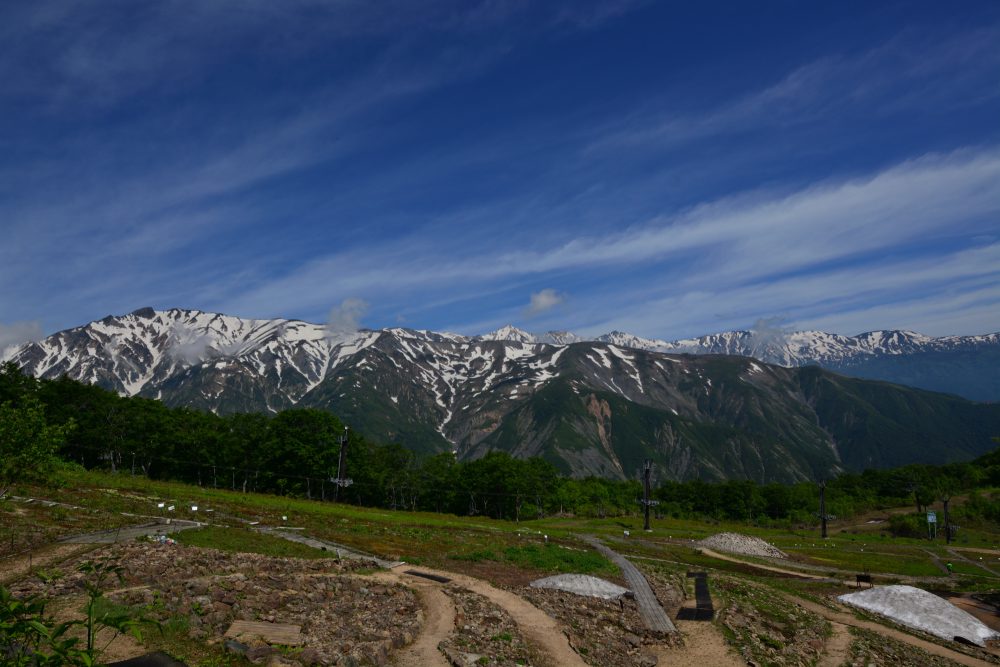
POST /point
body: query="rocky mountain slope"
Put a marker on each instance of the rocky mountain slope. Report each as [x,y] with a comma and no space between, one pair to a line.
[961,365]
[591,407]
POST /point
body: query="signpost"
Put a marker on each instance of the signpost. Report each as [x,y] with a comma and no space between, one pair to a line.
[931,525]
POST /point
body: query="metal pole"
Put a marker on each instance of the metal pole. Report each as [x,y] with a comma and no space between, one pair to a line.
[947,525]
[822,507]
[645,495]
[340,466]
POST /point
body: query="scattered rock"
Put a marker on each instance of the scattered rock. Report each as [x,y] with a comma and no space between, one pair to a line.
[735,543]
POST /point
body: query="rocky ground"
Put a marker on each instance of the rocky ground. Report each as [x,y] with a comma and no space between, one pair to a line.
[345,619]
[603,632]
[484,634]
[869,648]
[766,629]
[736,543]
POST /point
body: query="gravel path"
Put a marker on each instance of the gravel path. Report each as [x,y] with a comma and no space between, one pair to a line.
[131,532]
[333,547]
[649,607]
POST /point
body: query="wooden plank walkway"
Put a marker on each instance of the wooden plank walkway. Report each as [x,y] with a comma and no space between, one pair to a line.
[650,609]
[272,633]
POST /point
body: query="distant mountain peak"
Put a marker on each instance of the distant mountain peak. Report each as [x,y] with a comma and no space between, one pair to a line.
[509,332]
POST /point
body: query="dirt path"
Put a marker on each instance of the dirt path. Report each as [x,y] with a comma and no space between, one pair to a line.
[438,622]
[704,646]
[17,567]
[759,566]
[838,647]
[540,629]
[845,619]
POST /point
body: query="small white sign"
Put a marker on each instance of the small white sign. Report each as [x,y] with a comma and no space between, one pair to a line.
[194,508]
[170,509]
[932,517]
[160,505]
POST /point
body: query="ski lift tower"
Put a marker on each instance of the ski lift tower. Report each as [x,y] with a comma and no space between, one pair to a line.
[340,480]
[646,502]
[823,516]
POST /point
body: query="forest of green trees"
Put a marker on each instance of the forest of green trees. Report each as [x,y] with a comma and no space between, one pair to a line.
[47,423]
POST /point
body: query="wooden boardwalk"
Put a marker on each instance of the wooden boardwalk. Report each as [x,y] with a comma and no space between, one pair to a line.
[650,609]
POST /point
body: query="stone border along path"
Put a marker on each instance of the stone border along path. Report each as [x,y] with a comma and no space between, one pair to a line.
[650,610]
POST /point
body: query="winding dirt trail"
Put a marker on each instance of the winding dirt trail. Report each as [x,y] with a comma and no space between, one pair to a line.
[760,566]
[540,629]
[439,622]
[838,647]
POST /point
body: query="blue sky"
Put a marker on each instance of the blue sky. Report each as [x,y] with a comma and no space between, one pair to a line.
[669,169]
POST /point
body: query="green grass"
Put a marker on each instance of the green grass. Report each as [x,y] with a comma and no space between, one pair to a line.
[435,540]
[546,557]
[246,541]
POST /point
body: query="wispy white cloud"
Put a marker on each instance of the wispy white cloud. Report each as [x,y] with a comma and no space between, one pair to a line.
[346,318]
[752,245]
[17,333]
[909,73]
[543,301]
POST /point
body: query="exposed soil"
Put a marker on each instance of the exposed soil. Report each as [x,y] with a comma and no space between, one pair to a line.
[485,634]
[12,569]
[838,647]
[437,616]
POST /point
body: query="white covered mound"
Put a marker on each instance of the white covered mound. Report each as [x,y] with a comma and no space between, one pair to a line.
[582,584]
[921,610]
[735,543]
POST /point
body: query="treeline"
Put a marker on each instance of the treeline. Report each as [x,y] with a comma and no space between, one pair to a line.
[296,452]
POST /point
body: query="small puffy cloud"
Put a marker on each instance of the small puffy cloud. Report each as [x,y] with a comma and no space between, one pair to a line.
[543,301]
[346,318]
[17,333]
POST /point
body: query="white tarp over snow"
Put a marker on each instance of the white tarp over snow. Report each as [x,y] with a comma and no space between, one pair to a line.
[582,584]
[919,609]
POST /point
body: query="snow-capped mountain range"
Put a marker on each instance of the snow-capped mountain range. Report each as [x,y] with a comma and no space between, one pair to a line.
[789,349]
[699,407]
[140,350]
